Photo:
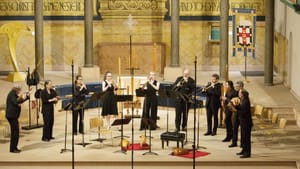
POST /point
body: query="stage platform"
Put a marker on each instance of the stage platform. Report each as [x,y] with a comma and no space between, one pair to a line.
[281,153]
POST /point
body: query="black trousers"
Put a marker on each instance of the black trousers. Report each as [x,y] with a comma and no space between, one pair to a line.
[48,118]
[228,123]
[14,133]
[149,112]
[246,137]
[212,112]
[79,113]
[236,124]
[182,109]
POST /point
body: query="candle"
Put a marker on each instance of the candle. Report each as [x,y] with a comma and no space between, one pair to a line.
[154,57]
[134,59]
[119,65]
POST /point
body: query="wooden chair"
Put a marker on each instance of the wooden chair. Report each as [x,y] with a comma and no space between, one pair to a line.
[4,125]
[97,123]
[275,130]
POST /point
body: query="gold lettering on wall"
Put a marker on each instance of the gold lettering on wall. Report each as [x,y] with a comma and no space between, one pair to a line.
[51,7]
[212,7]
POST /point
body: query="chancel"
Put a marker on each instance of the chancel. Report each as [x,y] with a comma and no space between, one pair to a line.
[245,50]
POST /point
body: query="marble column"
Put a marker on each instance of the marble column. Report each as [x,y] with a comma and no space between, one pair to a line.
[88,31]
[269,42]
[89,71]
[174,69]
[224,39]
[39,37]
[175,33]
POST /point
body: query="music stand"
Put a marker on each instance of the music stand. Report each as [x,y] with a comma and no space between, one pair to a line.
[149,123]
[140,92]
[81,105]
[122,121]
[98,96]
[66,108]
[167,94]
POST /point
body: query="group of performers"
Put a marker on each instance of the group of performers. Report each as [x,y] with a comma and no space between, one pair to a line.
[236,106]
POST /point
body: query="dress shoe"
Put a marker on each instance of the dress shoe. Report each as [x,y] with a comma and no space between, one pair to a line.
[240,153]
[226,140]
[214,133]
[46,140]
[207,133]
[245,156]
[232,145]
[52,138]
[16,151]
[176,130]
[184,129]
[157,127]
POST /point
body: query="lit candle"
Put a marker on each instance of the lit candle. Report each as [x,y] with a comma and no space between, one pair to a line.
[154,57]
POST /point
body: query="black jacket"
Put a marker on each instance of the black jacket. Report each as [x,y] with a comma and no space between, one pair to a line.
[186,89]
[213,96]
[13,107]
[79,95]
[46,105]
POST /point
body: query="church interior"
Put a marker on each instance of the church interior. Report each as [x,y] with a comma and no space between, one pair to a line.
[253,41]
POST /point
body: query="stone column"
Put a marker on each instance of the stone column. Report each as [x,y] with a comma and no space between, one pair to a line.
[39,37]
[224,39]
[89,71]
[269,42]
[175,33]
[174,70]
[88,32]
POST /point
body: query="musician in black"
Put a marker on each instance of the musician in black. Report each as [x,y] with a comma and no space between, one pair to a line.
[183,86]
[239,85]
[229,94]
[213,103]
[13,109]
[109,108]
[49,98]
[150,102]
[244,113]
[79,98]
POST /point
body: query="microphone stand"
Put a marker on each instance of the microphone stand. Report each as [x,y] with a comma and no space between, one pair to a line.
[195,90]
[73,90]
[65,147]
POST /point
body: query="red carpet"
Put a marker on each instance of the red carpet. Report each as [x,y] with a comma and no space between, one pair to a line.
[137,146]
[190,154]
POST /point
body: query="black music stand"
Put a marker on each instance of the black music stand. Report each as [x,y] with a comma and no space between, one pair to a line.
[122,121]
[167,94]
[81,106]
[98,96]
[149,123]
[66,108]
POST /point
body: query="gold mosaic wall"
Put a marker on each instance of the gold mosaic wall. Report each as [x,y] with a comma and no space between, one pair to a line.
[64,40]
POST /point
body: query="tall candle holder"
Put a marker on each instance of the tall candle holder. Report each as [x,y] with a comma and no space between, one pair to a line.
[130,22]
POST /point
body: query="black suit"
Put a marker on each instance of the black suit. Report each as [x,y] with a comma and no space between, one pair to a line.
[184,91]
[228,114]
[13,109]
[244,111]
[79,97]
[236,124]
[213,103]
[48,113]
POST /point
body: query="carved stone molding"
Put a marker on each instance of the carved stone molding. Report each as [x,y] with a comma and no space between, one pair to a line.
[137,8]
